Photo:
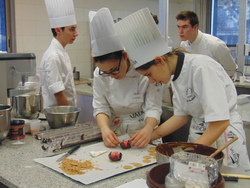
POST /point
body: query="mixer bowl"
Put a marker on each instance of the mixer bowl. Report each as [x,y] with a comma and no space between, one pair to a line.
[61,116]
[5,117]
[27,106]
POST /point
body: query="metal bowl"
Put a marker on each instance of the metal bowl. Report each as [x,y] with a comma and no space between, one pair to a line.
[61,116]
[165,150]
[27,106]
[5,116]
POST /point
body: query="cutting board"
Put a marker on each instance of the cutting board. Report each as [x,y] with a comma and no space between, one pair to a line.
[132,158]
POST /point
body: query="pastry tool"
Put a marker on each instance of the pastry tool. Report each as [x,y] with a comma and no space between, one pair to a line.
[224,146]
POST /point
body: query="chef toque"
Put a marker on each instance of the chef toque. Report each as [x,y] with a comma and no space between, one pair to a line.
[61,13]
[104,39]
[141,37]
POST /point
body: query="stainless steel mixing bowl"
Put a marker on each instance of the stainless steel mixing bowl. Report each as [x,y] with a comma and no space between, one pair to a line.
[5,117]
[27,106]
[61,116]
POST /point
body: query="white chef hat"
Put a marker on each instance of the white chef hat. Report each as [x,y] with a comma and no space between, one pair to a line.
[141,37]
[61,13]
[104,39]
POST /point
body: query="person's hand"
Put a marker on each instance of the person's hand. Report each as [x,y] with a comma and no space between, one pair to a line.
[141,138]
[109,138]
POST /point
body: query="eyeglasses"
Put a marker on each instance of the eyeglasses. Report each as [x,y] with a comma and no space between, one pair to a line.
[113,72]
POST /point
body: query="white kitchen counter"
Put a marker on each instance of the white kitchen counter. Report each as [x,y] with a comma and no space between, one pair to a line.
[19,170]
[84,89]
[244,85]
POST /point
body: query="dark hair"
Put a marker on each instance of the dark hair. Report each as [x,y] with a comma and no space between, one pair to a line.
[113,55]
[188,15]
[167,55]
[54,31]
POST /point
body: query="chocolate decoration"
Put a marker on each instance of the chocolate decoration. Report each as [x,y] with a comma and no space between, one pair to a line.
[115,156]
[125,144]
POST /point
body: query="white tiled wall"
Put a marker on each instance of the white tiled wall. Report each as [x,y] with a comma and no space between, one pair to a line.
[34,35]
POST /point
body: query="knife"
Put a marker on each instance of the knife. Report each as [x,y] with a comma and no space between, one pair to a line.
[68,153]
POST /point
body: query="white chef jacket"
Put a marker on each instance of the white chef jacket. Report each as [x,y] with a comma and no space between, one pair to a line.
[202,89]
[131,99]
[56,75]
[214,47]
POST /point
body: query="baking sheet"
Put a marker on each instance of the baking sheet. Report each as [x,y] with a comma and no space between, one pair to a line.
[108,168]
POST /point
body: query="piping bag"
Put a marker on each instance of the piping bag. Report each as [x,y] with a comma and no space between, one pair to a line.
[195,169]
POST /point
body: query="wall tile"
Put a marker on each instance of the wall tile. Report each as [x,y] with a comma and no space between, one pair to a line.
[43,28]
[29,28]
[43,42]
[34,34]
[28,12]
[29,44]
[19,41]
[18,11]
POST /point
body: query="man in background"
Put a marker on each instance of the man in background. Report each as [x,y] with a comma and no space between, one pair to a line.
[194,41]
[57,79]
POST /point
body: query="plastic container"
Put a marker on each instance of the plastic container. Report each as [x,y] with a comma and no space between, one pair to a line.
[35,126]
[191,167]
[156,177]
[172,182]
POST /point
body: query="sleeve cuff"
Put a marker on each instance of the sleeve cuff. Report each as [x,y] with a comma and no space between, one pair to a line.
[56,87]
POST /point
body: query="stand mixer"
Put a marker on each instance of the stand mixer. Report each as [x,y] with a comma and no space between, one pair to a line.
[15,71]
[15,67]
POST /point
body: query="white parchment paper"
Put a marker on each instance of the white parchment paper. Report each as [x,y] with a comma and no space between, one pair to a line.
[108,168]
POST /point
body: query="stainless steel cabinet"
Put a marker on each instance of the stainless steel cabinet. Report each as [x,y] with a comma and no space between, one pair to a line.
[85,103]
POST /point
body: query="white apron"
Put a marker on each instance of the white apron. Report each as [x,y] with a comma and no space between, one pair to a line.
[130,115]
[233,153]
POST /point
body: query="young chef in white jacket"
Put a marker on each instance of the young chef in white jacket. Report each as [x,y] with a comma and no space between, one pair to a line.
[57,80]
[121,95]
[196,42]
[201,88]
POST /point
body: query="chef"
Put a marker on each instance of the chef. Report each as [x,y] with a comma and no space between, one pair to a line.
[201,88]
[196,42]
[56,72]
[124,101]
